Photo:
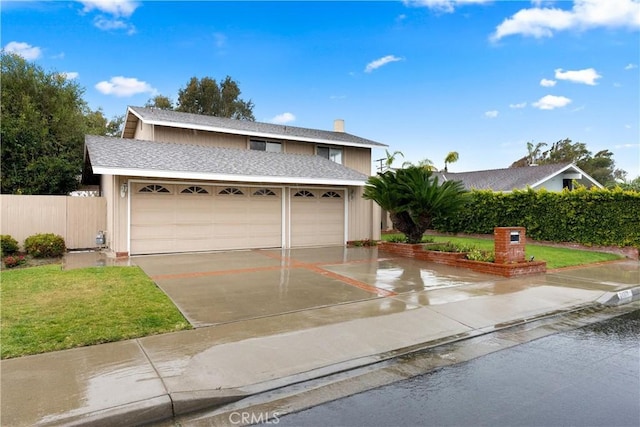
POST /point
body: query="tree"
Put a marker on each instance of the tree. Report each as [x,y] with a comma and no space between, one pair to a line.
[426,164]
[160,102]
[43,128]
[115,125]
[452,157]
[600,166]
[414,197]
[389,159]
[205,96]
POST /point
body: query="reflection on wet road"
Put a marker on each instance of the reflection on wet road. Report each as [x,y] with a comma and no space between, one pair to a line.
[589,376]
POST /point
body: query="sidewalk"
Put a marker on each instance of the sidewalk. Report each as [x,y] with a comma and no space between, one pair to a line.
[154,378]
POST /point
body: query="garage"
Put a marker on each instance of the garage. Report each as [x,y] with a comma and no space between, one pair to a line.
[169,218]
[317,217]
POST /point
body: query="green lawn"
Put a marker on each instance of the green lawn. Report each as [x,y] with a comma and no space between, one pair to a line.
[555,257]
[46,309]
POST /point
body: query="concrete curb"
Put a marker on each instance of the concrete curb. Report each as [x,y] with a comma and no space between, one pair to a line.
[171,405]
[620,297]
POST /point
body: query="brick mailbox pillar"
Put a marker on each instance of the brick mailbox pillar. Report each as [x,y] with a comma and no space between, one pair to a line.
[509,244]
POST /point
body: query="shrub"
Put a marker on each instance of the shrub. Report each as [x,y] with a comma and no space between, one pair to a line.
[590,217]
[45,245]
[8,245]
[476,254]
[449,247]
[14,261]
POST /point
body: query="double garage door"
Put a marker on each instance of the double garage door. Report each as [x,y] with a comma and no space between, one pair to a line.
[184,218]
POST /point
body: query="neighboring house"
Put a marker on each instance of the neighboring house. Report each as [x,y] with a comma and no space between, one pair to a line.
[553,177]
[179,182]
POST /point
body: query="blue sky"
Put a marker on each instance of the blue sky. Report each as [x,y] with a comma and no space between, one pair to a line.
[425,77]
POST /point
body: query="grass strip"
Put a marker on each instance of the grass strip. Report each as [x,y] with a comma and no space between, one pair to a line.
[46,309]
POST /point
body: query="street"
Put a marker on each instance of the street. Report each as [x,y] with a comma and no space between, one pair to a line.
[585,377]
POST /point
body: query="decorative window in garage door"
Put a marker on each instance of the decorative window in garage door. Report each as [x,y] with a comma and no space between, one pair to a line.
[304,193]
[331,195]
[154,188]
[234,191]
[194,189]
[264,192]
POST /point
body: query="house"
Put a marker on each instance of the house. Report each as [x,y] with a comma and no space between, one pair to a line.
[554,177]
[180,182]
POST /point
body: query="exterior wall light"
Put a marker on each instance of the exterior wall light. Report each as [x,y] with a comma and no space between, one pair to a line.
[123,190]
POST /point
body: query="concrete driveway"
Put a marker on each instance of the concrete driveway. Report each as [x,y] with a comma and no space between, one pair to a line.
[222,287]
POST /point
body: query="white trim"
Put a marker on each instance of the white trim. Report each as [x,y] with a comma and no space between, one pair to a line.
[252,133]
[129,191]
[559,171]
[346,215]
[283,219]
[102,170]
[288,245]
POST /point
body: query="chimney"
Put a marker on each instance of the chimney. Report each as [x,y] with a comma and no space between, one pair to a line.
[338,125]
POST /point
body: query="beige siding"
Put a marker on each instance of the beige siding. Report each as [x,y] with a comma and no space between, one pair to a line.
[358,159]
[292,147]
[143,131]
[364,217]
[76,219]
[191,136]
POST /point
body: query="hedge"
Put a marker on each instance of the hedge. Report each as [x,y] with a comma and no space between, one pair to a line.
[590,217]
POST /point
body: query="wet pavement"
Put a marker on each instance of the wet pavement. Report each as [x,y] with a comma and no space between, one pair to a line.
[266,319]
[589,376]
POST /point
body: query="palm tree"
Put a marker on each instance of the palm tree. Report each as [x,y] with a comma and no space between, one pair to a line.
[452,157]
[390,158]
[413,197]
[425,163]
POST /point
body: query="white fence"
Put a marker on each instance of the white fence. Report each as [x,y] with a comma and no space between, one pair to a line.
[77,219]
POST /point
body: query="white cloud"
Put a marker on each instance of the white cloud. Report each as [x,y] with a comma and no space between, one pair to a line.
[125,86]
[627,146]
[447,6]
[107,24]
[380,62]
[491,114]
[114,14]
[587,76]
[547,83]
[585,14]
[283,118]
[118,8]
[630,67]
[550,102]
[519,105]
[70,75]
[25,50]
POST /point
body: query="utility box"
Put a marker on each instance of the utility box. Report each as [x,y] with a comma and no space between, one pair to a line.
[509,244]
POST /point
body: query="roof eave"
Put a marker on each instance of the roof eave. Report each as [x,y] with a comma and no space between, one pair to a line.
[152,173]
[563,169]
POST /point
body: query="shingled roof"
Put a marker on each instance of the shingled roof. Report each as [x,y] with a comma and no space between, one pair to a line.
[133,157]
[513,178]
[240,127]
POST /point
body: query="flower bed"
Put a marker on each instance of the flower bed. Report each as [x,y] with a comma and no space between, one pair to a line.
[457,259]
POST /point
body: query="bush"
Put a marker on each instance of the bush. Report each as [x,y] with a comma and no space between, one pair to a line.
[449,247]
[476,254]
[8,245]
[14,261]
[590,217]
[45,245]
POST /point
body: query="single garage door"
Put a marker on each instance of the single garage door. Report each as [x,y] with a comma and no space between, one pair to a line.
[317,217]
[186,218]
